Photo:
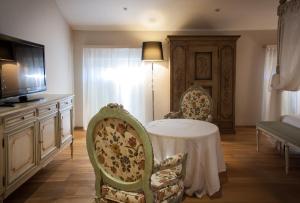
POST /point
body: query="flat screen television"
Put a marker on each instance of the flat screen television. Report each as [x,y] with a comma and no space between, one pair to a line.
[22,68]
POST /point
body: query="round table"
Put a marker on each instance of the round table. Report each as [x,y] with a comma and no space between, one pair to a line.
[201,140]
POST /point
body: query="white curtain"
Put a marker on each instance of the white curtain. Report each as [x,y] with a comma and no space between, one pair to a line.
[271,97]
[289,46]
[116,75]
[290,103]
[276,103]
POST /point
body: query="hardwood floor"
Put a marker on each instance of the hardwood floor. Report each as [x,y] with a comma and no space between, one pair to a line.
[251,176]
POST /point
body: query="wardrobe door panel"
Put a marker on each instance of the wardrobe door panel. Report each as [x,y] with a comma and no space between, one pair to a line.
[178,61]
[227,87]
[202,69]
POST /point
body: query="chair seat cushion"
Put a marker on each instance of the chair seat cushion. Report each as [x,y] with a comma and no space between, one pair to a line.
[116,195]
[165,184]
[161,196]
[165,177]
[170,192]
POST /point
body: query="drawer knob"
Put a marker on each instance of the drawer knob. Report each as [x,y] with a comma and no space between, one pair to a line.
[49,109]
[23,118]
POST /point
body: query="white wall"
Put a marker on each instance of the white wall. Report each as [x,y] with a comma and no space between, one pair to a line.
[250,61]
[40,21]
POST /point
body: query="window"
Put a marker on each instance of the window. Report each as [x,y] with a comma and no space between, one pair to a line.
[290,100]
[116,75]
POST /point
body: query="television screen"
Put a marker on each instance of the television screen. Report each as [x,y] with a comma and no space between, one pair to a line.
[25,73]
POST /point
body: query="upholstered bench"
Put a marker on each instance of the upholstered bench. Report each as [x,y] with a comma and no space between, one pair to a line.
[287,134]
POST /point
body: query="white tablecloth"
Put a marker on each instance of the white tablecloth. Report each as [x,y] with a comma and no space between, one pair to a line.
[201,140]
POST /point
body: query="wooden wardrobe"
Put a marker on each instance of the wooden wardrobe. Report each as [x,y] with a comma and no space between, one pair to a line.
[208,61]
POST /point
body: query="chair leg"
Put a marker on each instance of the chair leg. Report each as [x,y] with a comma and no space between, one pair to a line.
[257,140]
[287,161]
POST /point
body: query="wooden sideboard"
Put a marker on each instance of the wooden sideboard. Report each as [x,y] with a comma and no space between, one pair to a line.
[208,61]
[31,135]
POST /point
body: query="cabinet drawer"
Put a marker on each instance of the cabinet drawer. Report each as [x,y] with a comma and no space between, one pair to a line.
[19,119]
[50,108]
[65,103]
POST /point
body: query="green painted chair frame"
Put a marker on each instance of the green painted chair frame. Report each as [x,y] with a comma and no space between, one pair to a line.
[102,176]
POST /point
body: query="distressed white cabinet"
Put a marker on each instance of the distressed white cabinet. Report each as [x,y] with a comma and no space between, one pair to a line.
[21,152]
[48,139]
[66,122]
[31,135]
[66,126]
[1,163]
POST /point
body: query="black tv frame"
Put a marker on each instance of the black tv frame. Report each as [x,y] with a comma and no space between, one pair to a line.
[22,97]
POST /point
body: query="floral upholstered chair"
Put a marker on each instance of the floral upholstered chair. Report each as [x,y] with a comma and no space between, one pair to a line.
[195,103]
[121,153]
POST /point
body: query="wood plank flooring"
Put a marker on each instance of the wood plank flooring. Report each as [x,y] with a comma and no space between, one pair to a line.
[251,177]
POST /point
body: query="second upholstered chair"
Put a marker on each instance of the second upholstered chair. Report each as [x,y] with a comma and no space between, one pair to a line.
[121,153]
[195,103]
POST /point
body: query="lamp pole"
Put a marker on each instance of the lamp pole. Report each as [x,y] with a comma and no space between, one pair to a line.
[152,51]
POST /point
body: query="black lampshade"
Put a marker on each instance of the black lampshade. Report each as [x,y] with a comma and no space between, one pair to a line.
[152,51]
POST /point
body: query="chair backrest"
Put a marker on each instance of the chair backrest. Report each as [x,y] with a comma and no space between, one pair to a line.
[196,103]
[119,148]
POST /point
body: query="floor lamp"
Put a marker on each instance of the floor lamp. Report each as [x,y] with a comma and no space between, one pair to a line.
[152,51]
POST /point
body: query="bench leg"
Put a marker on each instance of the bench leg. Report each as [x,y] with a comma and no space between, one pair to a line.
[286,153]
[257,140]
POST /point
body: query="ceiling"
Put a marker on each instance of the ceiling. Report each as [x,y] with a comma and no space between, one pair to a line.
[170,15]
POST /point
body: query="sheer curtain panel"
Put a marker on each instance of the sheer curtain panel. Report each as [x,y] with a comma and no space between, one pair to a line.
[116,75]
[288,74]
[276,103]
[271,97]
[290,103]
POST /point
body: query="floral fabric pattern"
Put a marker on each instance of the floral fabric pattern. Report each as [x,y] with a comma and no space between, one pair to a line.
[195,104]
[169,191]
[110,193]
[169,162]
[164,178]
[119,149]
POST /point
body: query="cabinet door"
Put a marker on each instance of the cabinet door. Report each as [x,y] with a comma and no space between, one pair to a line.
[227,60]
[48,135]
[178,71]
[21,152]
[203,69]
[66,125]
[1,160]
